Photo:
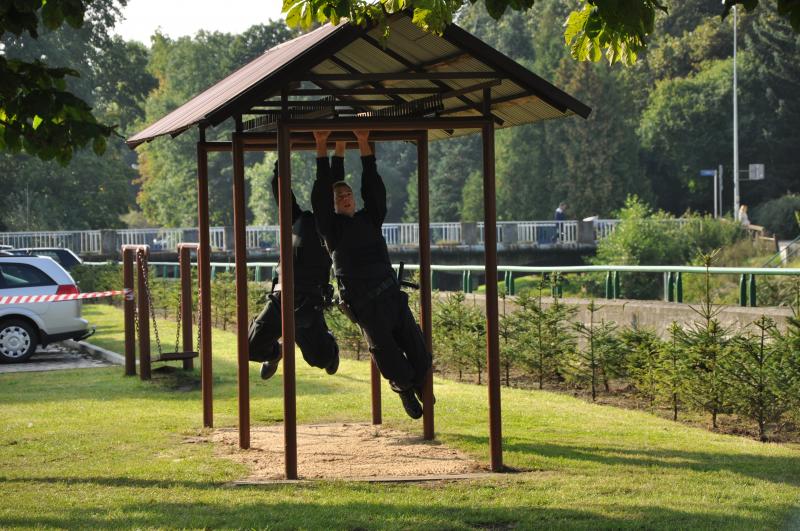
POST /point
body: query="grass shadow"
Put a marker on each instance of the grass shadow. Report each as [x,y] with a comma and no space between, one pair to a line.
[777,469]
[275,512]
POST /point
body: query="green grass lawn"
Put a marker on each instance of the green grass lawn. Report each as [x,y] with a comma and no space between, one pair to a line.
[91,448]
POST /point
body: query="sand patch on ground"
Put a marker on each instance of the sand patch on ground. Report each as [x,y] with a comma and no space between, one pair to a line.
[353,451]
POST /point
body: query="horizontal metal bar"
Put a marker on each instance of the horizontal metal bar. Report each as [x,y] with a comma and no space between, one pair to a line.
[622,269]
[300,137]
[403,76]
[323,103]
[364,91]
[555,269]
[386,124]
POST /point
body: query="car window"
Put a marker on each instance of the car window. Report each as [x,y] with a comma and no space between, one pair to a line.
[22,276]
[49,254]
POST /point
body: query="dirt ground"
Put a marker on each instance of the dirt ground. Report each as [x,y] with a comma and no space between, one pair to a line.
[351,451]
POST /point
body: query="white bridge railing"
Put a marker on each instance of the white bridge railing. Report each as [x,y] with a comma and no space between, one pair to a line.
[529,233]
[84,241]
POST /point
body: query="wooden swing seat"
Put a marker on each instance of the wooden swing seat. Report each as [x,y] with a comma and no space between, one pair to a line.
[176,356]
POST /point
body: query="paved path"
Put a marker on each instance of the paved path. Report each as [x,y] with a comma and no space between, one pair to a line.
[56,357]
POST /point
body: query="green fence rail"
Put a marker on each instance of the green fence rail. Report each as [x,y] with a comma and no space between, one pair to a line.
[673,275]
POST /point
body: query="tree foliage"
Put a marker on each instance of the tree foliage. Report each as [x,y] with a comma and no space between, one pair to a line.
[185,67]
[92,191]
[39,113]
[616,29]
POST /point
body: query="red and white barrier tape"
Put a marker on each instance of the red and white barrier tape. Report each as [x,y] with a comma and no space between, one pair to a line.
[28,299]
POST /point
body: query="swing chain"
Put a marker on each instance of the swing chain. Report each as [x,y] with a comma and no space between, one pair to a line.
[145,276]
[178,324]
[181,302]
[198,314]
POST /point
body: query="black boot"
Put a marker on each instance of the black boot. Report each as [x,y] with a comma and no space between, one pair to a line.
[269,368]
[333,367]
[410,404]
[334,364]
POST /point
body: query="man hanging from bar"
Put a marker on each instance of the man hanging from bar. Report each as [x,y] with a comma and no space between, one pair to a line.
[367,283]
[312,266]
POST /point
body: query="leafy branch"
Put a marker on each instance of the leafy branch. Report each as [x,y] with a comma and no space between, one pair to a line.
[38,114]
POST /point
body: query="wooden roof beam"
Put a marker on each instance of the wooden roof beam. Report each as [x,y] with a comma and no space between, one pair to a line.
[375,84]
[408,64]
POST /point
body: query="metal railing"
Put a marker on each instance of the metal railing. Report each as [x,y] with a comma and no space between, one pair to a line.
[85,241]
[672,275]
[157,239]
[263,237]
[531,233]
[788,252]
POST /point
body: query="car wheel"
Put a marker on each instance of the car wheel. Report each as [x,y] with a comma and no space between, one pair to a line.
[17,341]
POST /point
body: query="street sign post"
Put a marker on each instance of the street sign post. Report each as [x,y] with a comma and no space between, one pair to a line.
[714,174]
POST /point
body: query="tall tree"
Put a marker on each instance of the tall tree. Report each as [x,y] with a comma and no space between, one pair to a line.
[92,191]
[184,68]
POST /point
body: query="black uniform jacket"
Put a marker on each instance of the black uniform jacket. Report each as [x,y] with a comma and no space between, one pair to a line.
[312,264]
[360,256]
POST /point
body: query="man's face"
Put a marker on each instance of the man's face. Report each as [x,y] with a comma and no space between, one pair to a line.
[343,201]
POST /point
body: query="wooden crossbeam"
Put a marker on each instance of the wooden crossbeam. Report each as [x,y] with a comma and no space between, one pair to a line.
[408,64]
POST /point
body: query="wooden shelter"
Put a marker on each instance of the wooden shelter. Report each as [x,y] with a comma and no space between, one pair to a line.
[413,86]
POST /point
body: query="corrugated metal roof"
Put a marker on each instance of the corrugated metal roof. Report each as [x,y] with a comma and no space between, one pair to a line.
[406,48]
[200,107]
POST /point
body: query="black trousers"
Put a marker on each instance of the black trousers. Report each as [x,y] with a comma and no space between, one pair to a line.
[316,342]
[395,339]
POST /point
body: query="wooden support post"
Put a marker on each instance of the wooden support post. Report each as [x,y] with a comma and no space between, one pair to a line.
[492,316]
[375,392]
[240,254]
[287,301]
[752,291]
[425,277]
[130,325]
[143,310]
[678,287]
[185,267]
[204,282]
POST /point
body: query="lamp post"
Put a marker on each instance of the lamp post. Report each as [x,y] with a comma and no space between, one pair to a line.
[735,127]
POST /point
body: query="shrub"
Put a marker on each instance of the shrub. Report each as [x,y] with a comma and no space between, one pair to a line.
[673,370]
[761,375]
[544,339]
[778,216]
[98,278]
[459,332]
[643,361]
[600,356]
[707,346]
[644,237]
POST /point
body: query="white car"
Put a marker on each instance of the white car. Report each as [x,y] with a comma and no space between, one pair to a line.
[25,326]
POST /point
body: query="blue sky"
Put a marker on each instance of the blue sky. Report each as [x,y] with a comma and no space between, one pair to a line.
[186,17]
